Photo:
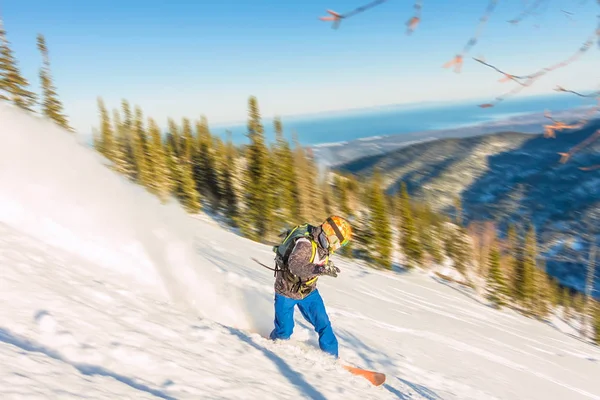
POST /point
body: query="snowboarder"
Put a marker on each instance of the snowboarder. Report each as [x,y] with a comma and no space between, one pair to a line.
[300,260]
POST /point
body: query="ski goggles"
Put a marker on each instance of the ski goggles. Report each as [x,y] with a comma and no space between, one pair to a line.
[331,237]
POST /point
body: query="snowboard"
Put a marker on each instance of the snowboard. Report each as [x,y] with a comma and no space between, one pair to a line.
[376,378]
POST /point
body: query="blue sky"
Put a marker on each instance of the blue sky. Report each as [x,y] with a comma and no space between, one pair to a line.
[191,57]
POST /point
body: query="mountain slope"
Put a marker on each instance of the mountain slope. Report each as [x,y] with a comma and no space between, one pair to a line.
[70,328]
[336,154]
[68,332]
[182,319]
[505,177]
[443,168]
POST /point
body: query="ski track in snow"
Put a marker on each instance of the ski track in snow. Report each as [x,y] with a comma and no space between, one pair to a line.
[87,314]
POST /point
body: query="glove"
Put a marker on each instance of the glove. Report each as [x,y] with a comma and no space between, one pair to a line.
[330,270]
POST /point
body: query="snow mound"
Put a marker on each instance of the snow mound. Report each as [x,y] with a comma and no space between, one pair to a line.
[55,189]
[69,330]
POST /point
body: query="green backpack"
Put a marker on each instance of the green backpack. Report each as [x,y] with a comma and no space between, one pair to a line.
[283,251]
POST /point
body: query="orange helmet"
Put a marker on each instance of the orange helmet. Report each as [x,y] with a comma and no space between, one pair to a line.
[337,231]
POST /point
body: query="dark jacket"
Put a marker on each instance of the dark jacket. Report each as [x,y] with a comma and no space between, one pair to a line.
[299,264]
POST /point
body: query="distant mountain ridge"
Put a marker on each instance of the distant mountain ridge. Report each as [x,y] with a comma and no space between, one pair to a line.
[335,154]
[506,176]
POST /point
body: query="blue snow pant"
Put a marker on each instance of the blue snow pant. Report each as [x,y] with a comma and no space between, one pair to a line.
[313,310]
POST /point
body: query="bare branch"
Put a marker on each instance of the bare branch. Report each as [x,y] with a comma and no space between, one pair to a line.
[527,12]
[566,156]
[590,95]
[521,81]
[336,18]
[507,76]
[414,21]
[528,80]
[457,61]
[590,168]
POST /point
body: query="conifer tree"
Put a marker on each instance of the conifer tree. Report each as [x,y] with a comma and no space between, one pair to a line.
[159,183]
[121,159]
[352,190]
[589,287]
[559,294]
[173,169]
[126,133]
[483,235]
[286,184]
[422,219]
[127,120]
[511,260]
[555,293]
[218,154]
[276,219]
[527,269]
[379,225]
[428,232]
[106,140]
[328,201]
[497,290]
[434,244]
[187,141]
[342,195]
[579,307]
[597,323]
[13,86]
[96,141]
[542,294]
[315,196]
[229,196]
[362,238]
[309,195]
[205,171]
[52,108]
[459,249]
[566,296]
[257,201]
[117,128]
[189,196]
[578,302]
[139,148]
[174,136]
[302,179]
[458,210]
[408,241]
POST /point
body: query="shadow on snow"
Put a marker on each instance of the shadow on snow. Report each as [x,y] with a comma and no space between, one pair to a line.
[85,369]
[293,377]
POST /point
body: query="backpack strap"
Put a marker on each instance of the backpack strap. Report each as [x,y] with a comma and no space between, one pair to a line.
[314,250]
[314,246]
[300,285]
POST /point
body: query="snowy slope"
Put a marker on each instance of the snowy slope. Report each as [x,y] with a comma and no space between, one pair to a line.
[105,293]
